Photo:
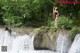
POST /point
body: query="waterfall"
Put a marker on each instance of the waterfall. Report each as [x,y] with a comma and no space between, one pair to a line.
[23,43]
[18,44]
[62,42]
[75,48]
[6,40]
[14,42]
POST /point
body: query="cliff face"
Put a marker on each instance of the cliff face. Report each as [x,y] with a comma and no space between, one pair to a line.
[45,39]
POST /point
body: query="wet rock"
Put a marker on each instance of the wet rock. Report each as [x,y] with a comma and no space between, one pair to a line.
[44,39]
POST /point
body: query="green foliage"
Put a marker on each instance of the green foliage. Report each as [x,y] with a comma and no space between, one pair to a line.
[76,21]
[64,22]
[13,20]
[33,12]
[25,12]
[50,23]
[74,32]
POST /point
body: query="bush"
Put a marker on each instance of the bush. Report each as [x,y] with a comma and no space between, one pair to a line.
[13,20]
[64,22]
[74,32]
[51,24]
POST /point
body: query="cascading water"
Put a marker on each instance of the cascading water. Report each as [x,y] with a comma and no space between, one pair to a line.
[75,48]
[6,39]
[18,44]
[62,42]
[24,43]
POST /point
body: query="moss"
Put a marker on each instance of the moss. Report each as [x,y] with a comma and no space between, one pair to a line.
[74,32]
[43,38]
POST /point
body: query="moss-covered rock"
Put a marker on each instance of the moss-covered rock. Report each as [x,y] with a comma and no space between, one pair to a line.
[44,39]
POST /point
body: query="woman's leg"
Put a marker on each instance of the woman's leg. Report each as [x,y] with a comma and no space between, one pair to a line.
[55,23]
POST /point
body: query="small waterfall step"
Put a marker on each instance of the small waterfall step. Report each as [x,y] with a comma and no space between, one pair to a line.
[75,47]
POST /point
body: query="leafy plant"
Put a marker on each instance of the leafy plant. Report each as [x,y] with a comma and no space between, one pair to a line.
[74,32]
[64,22]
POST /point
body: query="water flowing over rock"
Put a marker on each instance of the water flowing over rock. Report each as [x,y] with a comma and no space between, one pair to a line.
[18,44]
[35,51]
[23,43]
[63,42]
[14,42]
[75,48]
[6,39]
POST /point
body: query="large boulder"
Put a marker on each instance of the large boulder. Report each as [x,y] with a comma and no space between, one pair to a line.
[44,39]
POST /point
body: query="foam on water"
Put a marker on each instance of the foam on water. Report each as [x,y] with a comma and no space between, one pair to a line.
[35,51]
[62,43]
[23,43]
[6,39]
[18,44]
[75,48]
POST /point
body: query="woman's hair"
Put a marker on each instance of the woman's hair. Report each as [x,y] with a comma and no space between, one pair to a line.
[54,8]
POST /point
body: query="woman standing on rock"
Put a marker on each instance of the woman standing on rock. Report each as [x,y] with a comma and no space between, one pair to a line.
[55,16]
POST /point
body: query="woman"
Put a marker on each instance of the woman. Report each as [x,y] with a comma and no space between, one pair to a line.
[55,16]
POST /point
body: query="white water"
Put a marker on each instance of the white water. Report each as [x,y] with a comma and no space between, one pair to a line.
[75,48]
[24,44]
[62,42]
[6,39]
[18,44]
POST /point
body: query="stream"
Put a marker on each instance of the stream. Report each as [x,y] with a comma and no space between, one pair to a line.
[16,43]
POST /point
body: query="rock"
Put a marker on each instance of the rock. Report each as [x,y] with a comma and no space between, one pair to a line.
[44,39]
